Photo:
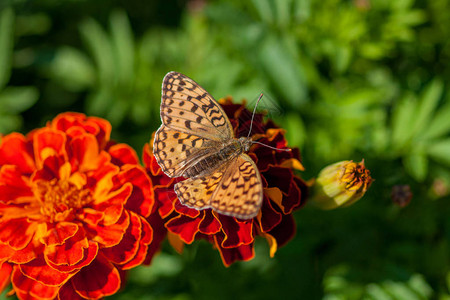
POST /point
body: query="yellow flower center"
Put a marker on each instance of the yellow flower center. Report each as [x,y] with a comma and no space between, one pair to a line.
[60,199]
[356,177]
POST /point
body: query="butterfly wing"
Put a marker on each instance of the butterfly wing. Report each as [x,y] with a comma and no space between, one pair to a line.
[188,108]
[240,192]
[196,192]
[234,190]
[176,151]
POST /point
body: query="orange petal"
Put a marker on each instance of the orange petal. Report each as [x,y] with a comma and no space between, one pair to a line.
[110,235]
[86,151]
[15,150]
[46,143]
[17,233]
[176,242]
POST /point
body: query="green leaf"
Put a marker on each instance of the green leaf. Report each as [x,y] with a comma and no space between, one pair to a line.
[402,121]
[283,69]
[376,292]
[15,100]
[265,10]
[73,69]
[416,164]
[418,284]
[440,124]
[6,44]
[123,42]
[100,46]
[9,123]
[399,291]
[427,105]
[440,151]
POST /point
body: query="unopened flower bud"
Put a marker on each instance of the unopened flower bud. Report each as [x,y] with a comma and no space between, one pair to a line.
[341,184]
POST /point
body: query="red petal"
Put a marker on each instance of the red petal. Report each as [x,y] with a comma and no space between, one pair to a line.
[67,292]
[209,224]
[40,271]
[146,238]
[285,231]
[236,232]
[141,199]
[15,150]
[280,178]
[159,233]
[26,254]
[61,232]
[17,233]
[27,288]
[89,254]
[98,280]
[184,210]
[70,252]
[122,154]
[12,184]
[269,217]
[128,246]
[5,273]
[110,235]
[230,255]
[185,227]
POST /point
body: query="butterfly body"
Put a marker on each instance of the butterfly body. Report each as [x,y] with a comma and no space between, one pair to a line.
[196,141]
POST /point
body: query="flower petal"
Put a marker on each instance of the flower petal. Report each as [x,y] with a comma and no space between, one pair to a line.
[40,271]
[17,233]
[60,233]
[27,288]
[70,252]
[230,255]
[237,233]
[97,280]
[15,150]
[122,154]
[186,227]
[5,273]
[141,199]
[89,254]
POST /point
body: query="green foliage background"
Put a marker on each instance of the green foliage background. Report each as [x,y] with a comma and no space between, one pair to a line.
[347,79]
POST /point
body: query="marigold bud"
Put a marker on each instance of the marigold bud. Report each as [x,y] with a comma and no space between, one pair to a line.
[341,184]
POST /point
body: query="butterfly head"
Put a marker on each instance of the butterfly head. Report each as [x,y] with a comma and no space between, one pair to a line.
[246,143]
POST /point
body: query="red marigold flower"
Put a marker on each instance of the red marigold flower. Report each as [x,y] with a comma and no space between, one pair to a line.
[284,192]
[72,210]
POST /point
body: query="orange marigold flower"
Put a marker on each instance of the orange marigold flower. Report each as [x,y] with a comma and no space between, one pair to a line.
[284,192]
[72,210]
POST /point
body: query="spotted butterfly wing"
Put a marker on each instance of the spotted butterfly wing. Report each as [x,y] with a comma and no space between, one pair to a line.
[194,131]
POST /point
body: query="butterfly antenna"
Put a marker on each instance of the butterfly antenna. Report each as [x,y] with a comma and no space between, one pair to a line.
[253,115]
[287,149]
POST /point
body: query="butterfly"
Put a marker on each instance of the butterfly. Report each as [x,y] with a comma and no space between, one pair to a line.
[196,141]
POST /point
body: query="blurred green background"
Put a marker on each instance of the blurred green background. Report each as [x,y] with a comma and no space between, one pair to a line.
[348,79]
